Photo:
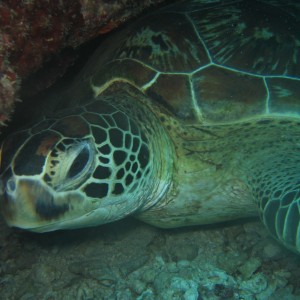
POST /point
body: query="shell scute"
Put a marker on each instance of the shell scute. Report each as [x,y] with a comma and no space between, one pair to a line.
[223,95]
[284,95]
[138,75]
[174,92]
[207,61]
[166,42]
[251,36]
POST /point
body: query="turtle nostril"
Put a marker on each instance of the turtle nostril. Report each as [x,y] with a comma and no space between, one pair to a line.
[10,185]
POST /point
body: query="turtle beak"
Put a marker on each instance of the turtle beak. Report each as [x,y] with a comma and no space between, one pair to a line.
[27,204]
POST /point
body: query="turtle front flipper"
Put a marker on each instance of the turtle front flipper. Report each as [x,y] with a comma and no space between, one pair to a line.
[231,171]
[276,187]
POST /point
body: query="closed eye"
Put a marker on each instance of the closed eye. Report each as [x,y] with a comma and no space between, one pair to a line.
[79,163]
[71,165]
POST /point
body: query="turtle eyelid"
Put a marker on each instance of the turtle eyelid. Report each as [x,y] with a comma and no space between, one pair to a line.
[79,162]
[71,165]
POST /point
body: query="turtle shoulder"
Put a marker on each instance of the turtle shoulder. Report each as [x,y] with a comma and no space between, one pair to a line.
[208,62]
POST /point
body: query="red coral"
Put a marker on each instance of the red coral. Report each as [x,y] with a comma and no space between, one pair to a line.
[32,30]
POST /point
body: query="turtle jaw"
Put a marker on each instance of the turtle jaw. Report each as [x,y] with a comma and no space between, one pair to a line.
[33,206]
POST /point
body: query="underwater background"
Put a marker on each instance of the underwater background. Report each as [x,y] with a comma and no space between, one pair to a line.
[129,259]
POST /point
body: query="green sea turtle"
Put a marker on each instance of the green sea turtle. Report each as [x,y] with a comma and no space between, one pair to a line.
[191,115]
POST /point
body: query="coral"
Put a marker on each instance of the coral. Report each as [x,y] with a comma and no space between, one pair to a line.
[132,260]
[33,30]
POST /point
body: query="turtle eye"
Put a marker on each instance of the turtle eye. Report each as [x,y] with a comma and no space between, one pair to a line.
[70,164]
[79,163]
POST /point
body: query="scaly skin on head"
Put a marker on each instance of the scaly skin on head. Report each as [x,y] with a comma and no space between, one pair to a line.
[111,165]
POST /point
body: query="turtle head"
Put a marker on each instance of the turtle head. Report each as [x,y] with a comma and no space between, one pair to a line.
[75,171]
[42,172]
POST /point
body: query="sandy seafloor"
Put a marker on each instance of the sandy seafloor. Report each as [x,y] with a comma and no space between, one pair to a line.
[132,260]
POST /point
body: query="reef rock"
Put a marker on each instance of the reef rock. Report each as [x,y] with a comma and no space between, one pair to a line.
[33,31]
